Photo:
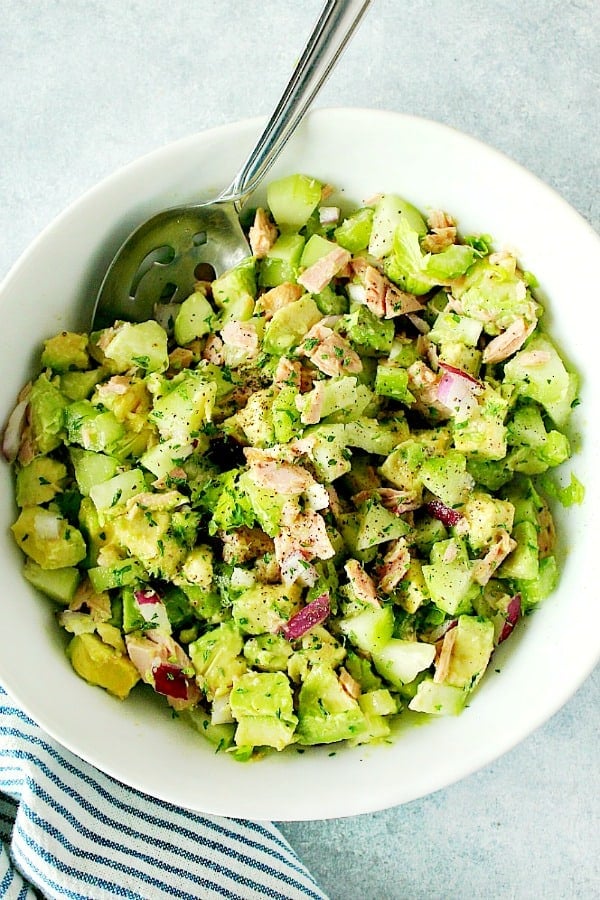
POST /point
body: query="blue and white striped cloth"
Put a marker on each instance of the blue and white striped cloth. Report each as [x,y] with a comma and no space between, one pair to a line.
[70,831]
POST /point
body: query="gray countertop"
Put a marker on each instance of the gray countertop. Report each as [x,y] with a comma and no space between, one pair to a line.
[89,86]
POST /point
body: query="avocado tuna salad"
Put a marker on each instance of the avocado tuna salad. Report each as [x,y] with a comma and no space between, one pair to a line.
[307,497]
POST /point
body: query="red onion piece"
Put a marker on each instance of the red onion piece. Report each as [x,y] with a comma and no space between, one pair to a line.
[170,680]
[444,513]
[453,370]
[148,595]
[314,613]
[513,611]
[457,390]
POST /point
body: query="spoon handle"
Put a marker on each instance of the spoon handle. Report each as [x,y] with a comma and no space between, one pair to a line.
[333,30]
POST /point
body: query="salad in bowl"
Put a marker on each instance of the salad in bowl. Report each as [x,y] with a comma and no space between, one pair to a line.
[305,499]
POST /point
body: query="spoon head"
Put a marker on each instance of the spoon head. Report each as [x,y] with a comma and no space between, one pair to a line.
[162,259]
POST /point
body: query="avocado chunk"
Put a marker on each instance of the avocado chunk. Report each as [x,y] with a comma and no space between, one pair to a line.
[326,713]
[102,665]
[40,481]
[48,539]
[262,705]
[216,657]
[46,414]
[66,351]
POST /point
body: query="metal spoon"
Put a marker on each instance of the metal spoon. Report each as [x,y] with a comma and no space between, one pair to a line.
[159,262]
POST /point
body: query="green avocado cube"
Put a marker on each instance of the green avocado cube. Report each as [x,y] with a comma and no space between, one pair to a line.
[48,538]
[46,414]
[471,651]
[217,660]
[326,713]
[438,699]
[102,665]
[372,333]
[265,607]
[66,351]
[40,481]
[290,324]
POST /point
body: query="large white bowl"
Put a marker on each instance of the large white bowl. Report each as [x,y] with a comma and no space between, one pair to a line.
[53,287]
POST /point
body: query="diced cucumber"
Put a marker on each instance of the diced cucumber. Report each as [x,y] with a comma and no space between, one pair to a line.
[194,319]
[58,584]
[537,589]
[123,572]
[375,436]
[290,324]
[447,478]
[449,582]
[282,262]
[399,662]
[392,381]
[523,562]
[390,210]
[543,378]
[370,629]
[292,200]
[234,292]
[377,525]
[452,328]
[91,468]
[143,344]
[108,495]
[315,248]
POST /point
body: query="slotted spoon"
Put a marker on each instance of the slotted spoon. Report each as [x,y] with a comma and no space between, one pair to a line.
[160,261]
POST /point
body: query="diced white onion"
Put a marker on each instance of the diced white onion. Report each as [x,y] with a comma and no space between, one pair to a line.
[221,711]
[11,439]
[357,292]
[328,215]
[47,526]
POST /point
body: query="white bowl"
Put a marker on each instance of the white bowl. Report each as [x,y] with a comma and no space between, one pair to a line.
[53,287]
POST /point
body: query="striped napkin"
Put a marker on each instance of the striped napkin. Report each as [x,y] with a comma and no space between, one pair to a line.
[68,830]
